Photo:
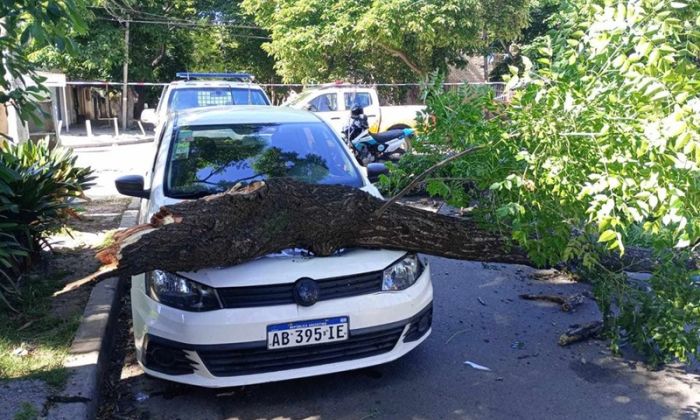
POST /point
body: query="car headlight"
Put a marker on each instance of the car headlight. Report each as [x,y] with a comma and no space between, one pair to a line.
[180,292]
[402,274]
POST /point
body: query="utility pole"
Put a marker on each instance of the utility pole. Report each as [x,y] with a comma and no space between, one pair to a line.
[484,36]
[125,87]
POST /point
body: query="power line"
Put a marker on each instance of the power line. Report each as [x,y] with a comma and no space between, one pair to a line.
[176,19]
[168,19]
[186,25]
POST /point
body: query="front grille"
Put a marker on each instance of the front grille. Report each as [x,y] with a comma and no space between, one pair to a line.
[237,361]
[282,294]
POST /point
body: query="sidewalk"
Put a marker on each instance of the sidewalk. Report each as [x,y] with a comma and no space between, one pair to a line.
[103,136]
[35,376]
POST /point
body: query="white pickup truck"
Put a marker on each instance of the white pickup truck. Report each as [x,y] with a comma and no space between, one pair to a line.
[332,102]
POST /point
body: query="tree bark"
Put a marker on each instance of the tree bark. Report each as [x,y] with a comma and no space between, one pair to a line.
[161,54]
[250,221]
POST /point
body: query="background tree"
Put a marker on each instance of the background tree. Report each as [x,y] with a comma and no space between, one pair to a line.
[598,151]
[394,40]
[25,22]
[539,23]
[166,37]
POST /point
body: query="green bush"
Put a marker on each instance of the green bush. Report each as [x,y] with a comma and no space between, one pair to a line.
[37,189]
[11,252]
[598,150]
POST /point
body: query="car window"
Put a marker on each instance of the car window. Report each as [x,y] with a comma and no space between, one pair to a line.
[363,99]
[324,103]
[210,159]
[201,97]
[296,98]
[248,97]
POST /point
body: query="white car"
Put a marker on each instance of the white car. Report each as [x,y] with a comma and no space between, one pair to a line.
[198,90]
[283,316]
[333,102]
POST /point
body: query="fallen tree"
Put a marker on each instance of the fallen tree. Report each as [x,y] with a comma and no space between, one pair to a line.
[250,221]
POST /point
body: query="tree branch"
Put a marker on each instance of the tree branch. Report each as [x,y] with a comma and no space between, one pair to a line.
[425,173]
[403,57]
[257,219]
[159,57]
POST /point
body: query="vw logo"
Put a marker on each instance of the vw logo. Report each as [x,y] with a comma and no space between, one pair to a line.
[306,291]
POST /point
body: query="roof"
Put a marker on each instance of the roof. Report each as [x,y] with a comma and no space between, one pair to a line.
[247,114]
[212,83]
[338,85]
[240,76]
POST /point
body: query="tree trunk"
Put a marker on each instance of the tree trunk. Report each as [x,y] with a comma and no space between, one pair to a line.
[254,220]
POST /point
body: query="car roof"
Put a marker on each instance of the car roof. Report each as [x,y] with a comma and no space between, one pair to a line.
[243,114]
[180,84]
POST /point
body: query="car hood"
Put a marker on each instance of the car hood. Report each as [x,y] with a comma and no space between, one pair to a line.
[291,265]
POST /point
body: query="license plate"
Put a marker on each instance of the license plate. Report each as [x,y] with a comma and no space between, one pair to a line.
[305,333]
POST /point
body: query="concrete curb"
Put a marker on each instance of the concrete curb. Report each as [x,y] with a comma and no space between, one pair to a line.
[108,144]
[89,355]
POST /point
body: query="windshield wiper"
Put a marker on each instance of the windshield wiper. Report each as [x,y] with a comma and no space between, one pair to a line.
[197,194]
[247,178]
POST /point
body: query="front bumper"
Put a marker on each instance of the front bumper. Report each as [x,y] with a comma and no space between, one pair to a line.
[383,327]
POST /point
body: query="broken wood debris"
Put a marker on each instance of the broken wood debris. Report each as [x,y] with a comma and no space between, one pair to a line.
[580,333]
[568,303]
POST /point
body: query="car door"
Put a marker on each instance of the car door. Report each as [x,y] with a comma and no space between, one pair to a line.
[326,105]
[363,98]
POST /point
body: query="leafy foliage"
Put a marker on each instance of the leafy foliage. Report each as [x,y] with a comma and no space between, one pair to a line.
[540,21]
[11,252]
[45,182]
[390,40]
[599,147]
[36,188]
[26,22]
[188,35]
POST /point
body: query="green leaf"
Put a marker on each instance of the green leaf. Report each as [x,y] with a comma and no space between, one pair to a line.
[682,140]
[607,236]
[661,95]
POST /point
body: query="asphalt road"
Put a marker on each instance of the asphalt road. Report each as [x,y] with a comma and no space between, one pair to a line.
[111,162]
[480,318]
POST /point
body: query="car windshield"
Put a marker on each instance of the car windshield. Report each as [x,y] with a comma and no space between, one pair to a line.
[212,96]
[298,98]
[210,159]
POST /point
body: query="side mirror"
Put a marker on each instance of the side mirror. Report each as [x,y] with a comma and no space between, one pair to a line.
[148,116]
[131,185]
[376,169]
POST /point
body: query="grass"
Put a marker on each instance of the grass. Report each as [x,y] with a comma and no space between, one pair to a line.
[27,412]
[44,337]
[44,325]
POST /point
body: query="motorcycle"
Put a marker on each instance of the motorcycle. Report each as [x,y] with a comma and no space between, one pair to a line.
[370,147]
